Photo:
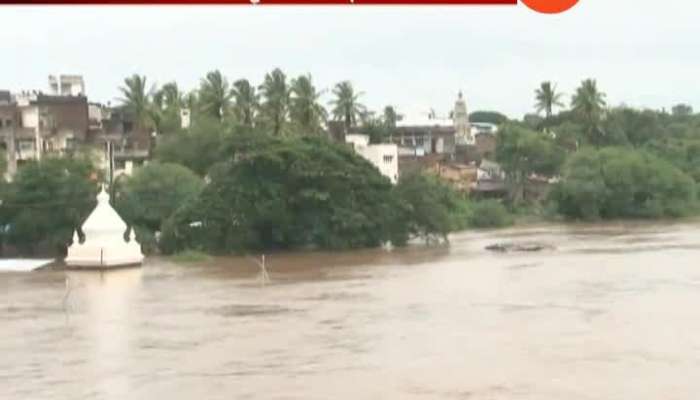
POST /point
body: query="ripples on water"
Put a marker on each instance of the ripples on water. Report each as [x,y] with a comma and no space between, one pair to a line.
[610,314]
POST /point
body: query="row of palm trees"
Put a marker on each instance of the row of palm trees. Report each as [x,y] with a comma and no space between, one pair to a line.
[587,101]
[587,105]
[279,104]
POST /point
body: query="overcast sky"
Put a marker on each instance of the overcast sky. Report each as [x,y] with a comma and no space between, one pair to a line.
[643,52]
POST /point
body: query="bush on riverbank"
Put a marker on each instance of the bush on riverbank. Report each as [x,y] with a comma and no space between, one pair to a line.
[150,196]
[622,183]
[430,208]
[190,257]
[489,214]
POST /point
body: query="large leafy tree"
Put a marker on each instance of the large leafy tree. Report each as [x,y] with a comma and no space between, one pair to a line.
[136,99]
[275,105]
[491,117]
[546,98]
[198,149]
[346,105]
[523,153]
[305,111]
[154,192]
[429,205]
[47,201]
[214,94]
[588,105]
[245,102]
[289,193]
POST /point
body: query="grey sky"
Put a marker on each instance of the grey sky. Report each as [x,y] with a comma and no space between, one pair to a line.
[642,52]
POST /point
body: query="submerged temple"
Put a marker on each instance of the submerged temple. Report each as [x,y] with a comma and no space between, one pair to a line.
[105,245]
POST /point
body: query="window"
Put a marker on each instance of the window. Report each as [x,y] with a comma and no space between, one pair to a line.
[26,145]
[420,141]
[388,159]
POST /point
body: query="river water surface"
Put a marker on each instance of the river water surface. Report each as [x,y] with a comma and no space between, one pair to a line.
[612,313]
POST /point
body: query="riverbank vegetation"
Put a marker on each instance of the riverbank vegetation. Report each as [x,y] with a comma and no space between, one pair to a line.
[257,169]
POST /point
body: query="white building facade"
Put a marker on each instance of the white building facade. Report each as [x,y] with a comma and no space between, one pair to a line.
[384,156]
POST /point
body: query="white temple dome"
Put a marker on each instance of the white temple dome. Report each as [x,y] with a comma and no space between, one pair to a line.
[104,245]
[104,218]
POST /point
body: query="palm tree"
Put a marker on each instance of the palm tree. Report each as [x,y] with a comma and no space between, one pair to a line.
[345,105]
[156,111]
[136,99]
[276,94]
[214,94]
[588,104]
[246,102]
[164,110]
[190,100]
[547,98]
[304,109]
[390,117]
[172,97]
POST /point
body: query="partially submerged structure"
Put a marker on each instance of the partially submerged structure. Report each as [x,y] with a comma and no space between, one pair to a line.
[104,244]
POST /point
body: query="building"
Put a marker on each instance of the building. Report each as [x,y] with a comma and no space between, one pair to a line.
[428,133]
[33,124]
[66,85]
[384,156]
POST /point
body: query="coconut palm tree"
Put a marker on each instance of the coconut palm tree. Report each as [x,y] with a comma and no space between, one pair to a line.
[588,104]
[172,97]
[275,106]
[547,98]
[346,107]
[390,117]
[214,94]
[164,110]
[245,102]
[136,99]
[304,110]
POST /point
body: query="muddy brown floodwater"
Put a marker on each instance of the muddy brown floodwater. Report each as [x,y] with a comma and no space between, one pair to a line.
[612,313]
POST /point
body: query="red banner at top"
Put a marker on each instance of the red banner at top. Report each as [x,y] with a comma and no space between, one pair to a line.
[545,6]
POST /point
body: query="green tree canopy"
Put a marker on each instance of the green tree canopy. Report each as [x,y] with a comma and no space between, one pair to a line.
[491,117]
[289,193]
[523,153]
[197,149]
[428,206]
[47,201]
[622,183]
[154,192]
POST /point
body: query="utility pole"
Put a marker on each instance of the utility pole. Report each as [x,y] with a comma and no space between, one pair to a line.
[11,151]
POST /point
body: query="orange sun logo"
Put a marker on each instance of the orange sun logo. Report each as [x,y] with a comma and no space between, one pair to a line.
[550,6]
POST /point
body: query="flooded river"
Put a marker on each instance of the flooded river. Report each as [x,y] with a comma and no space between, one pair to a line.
[612,313]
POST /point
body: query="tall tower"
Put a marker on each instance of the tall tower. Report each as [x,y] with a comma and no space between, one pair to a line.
[460,117]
